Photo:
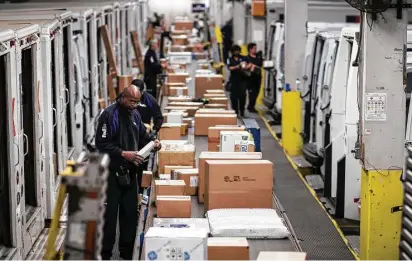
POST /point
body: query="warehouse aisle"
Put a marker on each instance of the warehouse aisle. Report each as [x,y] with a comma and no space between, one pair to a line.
[317,235]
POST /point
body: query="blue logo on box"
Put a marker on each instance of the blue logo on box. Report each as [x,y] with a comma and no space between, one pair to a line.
[187,256]
[152,255]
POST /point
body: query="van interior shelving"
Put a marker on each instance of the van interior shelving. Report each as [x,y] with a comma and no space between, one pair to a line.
[66,72]
[54,84]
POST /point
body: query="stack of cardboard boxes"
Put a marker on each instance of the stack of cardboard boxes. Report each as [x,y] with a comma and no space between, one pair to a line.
[229,174]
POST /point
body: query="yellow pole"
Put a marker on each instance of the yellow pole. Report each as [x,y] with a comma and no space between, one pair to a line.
[292,123]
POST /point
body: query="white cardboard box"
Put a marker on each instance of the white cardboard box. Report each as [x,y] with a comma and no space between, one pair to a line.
[228,138]
[175,117]
[166,243]
[244,146]
[196,223]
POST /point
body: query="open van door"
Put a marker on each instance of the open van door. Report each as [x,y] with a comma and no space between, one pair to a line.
[78,107]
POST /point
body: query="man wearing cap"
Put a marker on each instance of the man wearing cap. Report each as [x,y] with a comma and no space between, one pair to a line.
[152,68]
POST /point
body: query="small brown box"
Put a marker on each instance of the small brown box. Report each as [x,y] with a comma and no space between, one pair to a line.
[190,177]
[146,179]
[178,91]
[220,156]
[167,85]
[170,131]
[180,99]
[124,81]
[179,40]
[227,248]
[183,25]
[216,106]
[213,136]
[191,111]
[229,182]
[170,187]
[204,121]
[183,129]
[186,104]
[174,206]
[177,77]
[215,92]
[168,169]
[213,95]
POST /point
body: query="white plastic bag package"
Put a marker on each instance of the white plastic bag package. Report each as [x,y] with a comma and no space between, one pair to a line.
[245,222]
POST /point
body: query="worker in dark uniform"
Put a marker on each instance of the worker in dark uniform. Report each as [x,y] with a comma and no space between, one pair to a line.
[239,78]
[149,110]
[255,65]
[120,132]
[152,68]
[227,33]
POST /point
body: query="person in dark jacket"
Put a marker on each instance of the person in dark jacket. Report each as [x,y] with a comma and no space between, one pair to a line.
[120,132]
[238,67]
[152,68]
[255,64]
[227,33]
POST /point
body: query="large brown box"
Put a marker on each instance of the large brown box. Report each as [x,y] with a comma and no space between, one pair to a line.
[208,82]
[238,184]
[213,95]
[204,121]
[176,155]
[179,99]
[213,136]
[191,179]
[220,100]
[146,179]
[220,156]
[227,248]
[174,207]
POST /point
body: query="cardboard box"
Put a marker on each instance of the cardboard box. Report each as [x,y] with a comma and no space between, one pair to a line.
[228,138]
[162,243]
[174,206]
[198,223]
[227,248]
[215,91]
[188,121]
[180,99]
[175,117]
[191,111]
[179,48]
[176,155]
[216,106]
[214,95]
[179,40]
[123,82]
[208,82]
[190,177]
[146,179]
[213,136]
[219,100]
[177,77]
[220,156]
[178,91]
[214,111]
[183,129]
[183,25]
[185,104]
[204,121]
[170,131]
[230,182]
[168,85]
[168,169]
[165,176]
[244,146]
[280,256]
[170,187]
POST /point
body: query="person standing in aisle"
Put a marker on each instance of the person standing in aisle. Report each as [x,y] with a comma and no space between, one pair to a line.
[239,78]
[255,65]
[152,68]
[120,132]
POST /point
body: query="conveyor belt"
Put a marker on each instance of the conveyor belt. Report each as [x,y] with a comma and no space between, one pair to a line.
[318,236]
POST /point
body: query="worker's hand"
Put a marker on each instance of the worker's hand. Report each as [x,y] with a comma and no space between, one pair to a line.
[132,156]
[138,160]
[157,146]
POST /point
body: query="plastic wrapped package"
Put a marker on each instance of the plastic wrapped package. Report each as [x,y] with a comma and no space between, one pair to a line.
[249,223]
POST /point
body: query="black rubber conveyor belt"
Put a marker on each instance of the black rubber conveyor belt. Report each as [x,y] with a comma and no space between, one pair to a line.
[318,236]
